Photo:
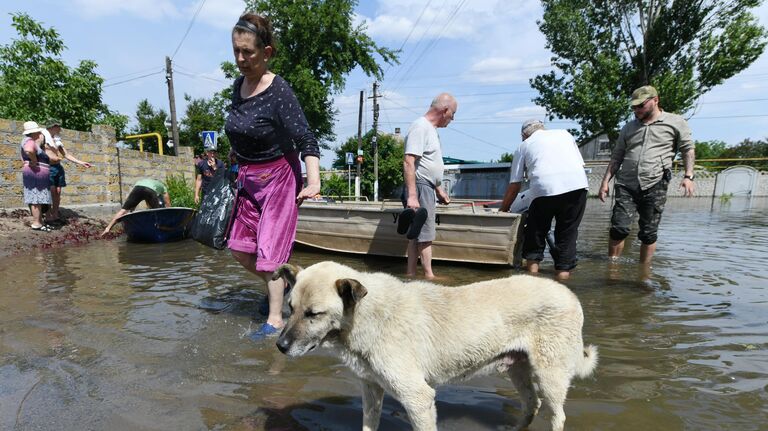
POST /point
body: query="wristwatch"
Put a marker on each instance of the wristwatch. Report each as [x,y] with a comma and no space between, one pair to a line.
[690,177]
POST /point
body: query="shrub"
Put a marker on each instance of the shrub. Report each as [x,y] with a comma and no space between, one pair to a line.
[182,194]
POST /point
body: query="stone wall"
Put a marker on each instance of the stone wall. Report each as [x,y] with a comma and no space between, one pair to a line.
[109,180]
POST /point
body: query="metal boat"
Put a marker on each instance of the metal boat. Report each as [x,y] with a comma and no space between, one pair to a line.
[158,225]
[466,231]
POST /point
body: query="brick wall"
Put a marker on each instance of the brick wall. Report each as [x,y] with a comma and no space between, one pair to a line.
[113,169]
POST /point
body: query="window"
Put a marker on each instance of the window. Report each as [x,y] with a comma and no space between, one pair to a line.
[603,146]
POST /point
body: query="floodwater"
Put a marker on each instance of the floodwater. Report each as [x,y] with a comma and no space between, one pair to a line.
[119,336]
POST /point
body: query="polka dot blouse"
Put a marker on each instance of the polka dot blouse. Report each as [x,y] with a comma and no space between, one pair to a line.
[266,126]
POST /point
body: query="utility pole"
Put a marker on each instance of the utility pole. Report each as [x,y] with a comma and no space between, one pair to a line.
[359,147]
[375,143]
[172,100]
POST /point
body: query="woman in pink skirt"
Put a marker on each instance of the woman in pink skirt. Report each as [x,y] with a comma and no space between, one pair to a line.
[268,132]
[35,174]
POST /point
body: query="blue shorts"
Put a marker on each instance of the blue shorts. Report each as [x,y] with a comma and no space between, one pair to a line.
[58,179]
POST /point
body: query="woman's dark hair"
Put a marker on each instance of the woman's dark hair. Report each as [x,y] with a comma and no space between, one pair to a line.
[259,26]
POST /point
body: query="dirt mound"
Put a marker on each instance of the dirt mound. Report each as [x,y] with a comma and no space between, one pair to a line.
[17,236]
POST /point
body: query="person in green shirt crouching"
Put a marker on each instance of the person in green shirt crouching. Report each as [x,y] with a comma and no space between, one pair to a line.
[152,192]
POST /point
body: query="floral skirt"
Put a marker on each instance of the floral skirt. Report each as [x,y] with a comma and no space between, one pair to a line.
[37,184]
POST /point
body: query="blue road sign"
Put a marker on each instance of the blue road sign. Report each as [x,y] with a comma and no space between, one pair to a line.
[350,158]
[209,140]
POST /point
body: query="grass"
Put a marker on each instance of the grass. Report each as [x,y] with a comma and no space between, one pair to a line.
[726,198]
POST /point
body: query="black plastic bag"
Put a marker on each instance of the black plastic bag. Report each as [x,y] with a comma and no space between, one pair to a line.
[211,223]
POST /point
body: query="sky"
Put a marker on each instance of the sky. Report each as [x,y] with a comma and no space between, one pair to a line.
[482,51]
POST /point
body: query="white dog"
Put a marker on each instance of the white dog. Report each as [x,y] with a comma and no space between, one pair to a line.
[406,337]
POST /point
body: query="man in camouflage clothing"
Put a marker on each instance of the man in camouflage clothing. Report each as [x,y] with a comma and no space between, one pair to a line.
[641,162]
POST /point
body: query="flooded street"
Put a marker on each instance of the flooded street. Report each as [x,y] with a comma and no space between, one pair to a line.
[125,336]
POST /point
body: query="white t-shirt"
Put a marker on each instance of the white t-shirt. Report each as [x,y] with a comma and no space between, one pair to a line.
[53,141]
[553,163]
[422,141]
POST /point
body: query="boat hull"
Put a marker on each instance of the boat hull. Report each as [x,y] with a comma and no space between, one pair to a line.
[158,225]
[464,233]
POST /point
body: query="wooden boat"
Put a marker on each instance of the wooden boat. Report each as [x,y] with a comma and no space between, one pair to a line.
[158,225]
[467,232]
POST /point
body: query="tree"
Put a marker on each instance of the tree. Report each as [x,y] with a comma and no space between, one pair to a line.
[335,186]
[710,149]
[506,157]
[317,46]
[35,84]
[149,120]
[604,49]
[204,114]
[748,149]
[391,153]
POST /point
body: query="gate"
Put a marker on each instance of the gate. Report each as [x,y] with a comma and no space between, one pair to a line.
[737,181]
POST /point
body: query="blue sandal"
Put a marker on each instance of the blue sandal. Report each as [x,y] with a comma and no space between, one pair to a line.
[266,330]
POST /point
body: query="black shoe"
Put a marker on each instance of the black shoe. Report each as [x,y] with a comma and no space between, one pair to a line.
[404,220]
[417,224]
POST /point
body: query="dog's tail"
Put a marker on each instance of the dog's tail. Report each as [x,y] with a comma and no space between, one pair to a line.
[586,364]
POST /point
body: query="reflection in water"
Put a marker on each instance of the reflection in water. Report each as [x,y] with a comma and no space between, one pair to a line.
[137,336]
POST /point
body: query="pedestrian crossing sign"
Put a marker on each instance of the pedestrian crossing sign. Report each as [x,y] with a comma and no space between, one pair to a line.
[209,140]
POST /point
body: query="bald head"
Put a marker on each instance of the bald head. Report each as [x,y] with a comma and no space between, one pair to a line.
[442,110]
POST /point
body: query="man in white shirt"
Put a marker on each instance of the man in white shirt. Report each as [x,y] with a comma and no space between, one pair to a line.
[57,153]
[558,190]
[423,174]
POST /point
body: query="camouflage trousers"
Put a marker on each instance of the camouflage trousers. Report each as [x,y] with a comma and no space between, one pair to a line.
[648,204]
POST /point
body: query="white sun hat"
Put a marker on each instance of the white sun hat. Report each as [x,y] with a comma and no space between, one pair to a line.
[31,127]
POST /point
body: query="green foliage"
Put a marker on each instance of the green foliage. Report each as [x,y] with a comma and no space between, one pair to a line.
[317,46]
[117,120]
[710,149]
[391,153]
[506,157]
[204,114]
[748,149]
[182,194]
[35,84]
[335,186]
[149,120]
[605,49]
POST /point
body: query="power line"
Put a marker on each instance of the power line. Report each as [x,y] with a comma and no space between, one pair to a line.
[132,79]
[416,24]
[129,74]
[728,116]
[201,77]
[454,129]
[415,47]
[189,27]
[476,138]
[504,123]
[431,43]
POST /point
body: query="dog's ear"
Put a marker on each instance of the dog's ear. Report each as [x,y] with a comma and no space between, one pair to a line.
[351,291]
[288,273]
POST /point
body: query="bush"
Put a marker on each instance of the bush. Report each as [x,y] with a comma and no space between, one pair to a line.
[182,194]
[334,187]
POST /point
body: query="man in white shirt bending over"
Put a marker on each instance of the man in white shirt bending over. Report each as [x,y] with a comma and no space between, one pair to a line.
[558,190]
